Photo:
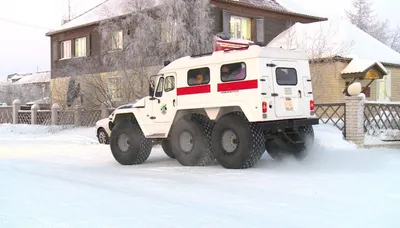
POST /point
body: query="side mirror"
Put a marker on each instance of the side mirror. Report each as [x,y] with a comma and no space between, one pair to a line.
[151,89]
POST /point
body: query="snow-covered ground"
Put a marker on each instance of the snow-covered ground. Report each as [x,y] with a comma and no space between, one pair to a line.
[66,179]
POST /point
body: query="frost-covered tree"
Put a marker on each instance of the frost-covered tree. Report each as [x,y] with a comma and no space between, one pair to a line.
[363,16]
[395,39]
[135,46]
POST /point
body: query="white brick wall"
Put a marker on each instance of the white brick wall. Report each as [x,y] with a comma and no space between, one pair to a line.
[355,120]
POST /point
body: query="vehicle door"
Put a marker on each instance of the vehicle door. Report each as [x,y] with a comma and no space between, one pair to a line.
[164,103]
[287,89]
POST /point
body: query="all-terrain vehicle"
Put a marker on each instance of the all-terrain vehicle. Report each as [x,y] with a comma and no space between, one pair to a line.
[230,106]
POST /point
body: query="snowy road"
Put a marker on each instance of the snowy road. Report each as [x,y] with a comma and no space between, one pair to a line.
[68,180]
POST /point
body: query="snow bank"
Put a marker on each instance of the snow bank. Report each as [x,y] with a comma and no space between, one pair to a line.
[334,37]
[71,184]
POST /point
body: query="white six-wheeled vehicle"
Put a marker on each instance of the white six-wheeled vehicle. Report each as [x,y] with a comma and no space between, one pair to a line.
[230,106]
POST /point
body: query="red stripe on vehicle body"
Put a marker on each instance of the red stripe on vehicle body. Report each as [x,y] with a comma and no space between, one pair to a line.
[241,85]
[193,90]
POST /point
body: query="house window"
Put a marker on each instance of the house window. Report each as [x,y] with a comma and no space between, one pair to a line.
[168,31]
[384,87]
[198,76]
[114,88]
[169,83]
[286,76]
[233,72]
[65,48]
[240,28]
[117,40]
[80,47]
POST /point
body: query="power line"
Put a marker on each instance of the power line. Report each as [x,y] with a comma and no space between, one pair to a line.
[22,23]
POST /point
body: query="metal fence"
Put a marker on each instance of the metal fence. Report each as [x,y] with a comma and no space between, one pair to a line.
[380,118]
[332,113]
[6,115]
[90,117]
[24,117]
[43,117]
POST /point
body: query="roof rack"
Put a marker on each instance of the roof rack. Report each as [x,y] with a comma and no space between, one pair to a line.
[236,49]
[202,54]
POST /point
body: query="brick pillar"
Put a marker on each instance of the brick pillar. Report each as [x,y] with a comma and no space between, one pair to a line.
[355,119]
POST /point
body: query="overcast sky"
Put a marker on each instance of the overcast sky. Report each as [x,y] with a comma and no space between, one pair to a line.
[24,47]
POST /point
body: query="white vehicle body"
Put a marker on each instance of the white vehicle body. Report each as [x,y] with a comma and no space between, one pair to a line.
[277,86]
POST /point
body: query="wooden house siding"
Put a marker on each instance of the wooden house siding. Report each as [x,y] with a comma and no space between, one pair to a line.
[265,26]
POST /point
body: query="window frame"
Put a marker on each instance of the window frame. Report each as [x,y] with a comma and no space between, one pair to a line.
[235,80]
[114,88]
[114,45]
[160,83]
[65,48]
[168,31]
[83,43]
[173,85]
[250,19]
[198,69]
[289,68]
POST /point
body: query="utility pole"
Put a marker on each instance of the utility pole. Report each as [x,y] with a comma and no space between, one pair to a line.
[69,10]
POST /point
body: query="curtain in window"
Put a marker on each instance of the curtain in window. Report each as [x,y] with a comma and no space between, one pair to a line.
[240,27]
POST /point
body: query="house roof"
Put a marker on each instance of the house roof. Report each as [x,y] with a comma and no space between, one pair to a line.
[358,65]
[335,37]
[115,8]
[41,77]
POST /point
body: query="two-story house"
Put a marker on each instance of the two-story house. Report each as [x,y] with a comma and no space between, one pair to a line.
[257,20]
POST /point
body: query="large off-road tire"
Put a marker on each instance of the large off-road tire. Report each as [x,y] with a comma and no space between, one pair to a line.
[128,144]
[166,146]
[190,140]
[280,148]
[236,143]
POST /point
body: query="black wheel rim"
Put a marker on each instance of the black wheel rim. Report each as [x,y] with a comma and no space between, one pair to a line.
[123,142]
[229,141]
[102,137]
[186,142]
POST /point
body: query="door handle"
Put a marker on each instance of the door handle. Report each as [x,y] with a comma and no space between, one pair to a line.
[173,102]
[299,93]
[274,94]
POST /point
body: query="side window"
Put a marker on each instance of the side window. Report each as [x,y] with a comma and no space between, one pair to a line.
[233,72]
[286,76]
[169,83]
[160,87]
[198,76]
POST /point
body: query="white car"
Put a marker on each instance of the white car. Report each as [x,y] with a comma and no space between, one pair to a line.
[103,132]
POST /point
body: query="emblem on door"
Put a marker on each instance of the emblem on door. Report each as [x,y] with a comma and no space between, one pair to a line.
[164,109]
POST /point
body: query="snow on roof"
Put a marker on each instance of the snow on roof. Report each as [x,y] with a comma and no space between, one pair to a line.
[4,81]
[334,37]
[16,77]
[45,100]
[105,10]
[358,65]
[263,3]
[41,77]
[293,6]
[115,8]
